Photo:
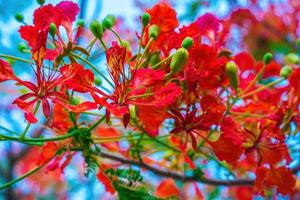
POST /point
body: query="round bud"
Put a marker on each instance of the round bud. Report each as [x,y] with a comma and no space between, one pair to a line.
[154,59]
[146,19]
[232,73]
[292,58]
[154,31]
[179,59]
[187,43]
[80,22]
[286,71]
[267,58]
[98,81]
[52,29]
[96,29]
[41,2]
[22,47]
[19,17]
[108,22]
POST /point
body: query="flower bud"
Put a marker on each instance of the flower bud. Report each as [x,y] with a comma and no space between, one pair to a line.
[179,59]
[292,58]
[232,73]
[98,81]
[187,43]
[96,29]
[267,58]
[80,22]
[154,31]
[108,22]
[19,17]
[154,59]
[146,19]
[40,2]
[52,29]
[286,71]
[22,47]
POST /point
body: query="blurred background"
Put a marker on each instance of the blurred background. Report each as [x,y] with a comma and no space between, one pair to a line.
[275,29]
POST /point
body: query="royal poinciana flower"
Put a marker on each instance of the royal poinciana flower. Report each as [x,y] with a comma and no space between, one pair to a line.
[143,88]
[186,101]
[61,15]
[43,90]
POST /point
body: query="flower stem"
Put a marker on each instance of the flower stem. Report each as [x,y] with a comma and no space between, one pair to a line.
[262,88]
[162,61]
[117,35]
[10,183]
[15,58]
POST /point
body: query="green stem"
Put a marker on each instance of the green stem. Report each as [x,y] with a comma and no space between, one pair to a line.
[93,67]
[96,124]
[162,61]
[28,124]
[15,58]
[258,76]
[103,44]
[117,35]
[71,134]
[145,51]
[262,88]
[10,183]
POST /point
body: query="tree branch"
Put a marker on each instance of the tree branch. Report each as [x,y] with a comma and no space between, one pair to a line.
[180,177]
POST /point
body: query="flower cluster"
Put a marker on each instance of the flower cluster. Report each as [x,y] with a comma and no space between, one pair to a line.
[181,87]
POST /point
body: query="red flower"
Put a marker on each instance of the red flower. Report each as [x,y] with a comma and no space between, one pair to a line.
[282,178]
[63,14]
[142,87]
[268,144]
[164,16]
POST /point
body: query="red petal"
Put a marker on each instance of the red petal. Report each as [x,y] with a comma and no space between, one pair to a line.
[106,182]
[30,34]
[151,118]
[6,72]
[167,188]
[30,118]
[46,107]
[164,16]
[245,61]
[48,151]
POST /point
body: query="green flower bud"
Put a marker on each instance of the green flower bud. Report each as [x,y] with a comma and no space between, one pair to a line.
[52,29]
[179,59]
[146,19]
[154,59]
[98,81]
[96,29]
[187,43]
[232,73]
[154,31]
[41,2]
[292,58]
[286,71]
[19,17]
[22,47]
[80,22]
[108,22]
[267,58]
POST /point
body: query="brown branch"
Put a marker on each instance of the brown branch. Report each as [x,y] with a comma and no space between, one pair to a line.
[180,177]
